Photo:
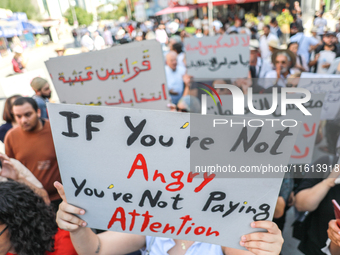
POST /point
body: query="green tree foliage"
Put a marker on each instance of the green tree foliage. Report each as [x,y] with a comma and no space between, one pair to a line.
[83,17]
[21,6]
[115,14]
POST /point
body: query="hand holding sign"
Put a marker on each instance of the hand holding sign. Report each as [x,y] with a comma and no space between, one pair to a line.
[66,218]
[257,243]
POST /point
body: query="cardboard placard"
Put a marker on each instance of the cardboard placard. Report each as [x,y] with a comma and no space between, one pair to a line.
[130,75]
[218,57]
[129,169]
[328,84]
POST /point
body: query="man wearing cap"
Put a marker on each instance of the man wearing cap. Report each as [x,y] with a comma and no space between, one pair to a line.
[283,61]
[264,40]
[18,61]
[325,54]
[42,94]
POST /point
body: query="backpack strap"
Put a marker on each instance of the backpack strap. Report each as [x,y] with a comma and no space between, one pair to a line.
[147,252]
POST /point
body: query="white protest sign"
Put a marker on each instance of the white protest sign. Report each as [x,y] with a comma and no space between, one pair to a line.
[129,169]
[20,84]
[328,84]
[130,75]
[304,146]
[218,57]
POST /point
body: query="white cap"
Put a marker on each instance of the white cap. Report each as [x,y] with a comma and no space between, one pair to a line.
[18,49]
[254,44]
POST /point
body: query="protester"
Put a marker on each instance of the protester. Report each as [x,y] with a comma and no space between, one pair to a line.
[87,42]
[175,76]
[31,143]
[98,41]
[320,23]
[314,195]
[325,54]
[12,169]
[27,224]
[108,37]
[178,48]
[19,62]
[305,44]
[301,64]
[264,40]
[8,117]
[42,94]
[284,61]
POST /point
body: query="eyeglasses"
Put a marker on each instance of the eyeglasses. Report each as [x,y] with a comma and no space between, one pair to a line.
[280,62]
[3,230]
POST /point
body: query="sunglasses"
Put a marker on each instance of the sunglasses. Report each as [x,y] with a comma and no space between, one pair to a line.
[3,230]
[181,110]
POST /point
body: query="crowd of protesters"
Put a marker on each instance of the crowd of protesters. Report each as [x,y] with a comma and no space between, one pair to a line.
[30,189]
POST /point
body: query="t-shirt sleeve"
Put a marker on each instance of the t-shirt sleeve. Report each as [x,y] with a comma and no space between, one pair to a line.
[63,244]
[8,148]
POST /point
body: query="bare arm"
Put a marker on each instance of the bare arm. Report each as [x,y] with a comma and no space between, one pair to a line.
[269,243]
[87,242]
[39,191]
[10,171]
[309,199]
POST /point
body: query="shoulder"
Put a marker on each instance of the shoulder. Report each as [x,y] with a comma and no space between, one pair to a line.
[271,74]
[181,70]
[5,127]
[13,132]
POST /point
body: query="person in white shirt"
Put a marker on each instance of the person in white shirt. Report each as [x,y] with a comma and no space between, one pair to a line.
[283,61]
[264,39]
[197,23]
[161,35]
[98,42]
[320,23]
[86,41]
[174,77]
[108,37]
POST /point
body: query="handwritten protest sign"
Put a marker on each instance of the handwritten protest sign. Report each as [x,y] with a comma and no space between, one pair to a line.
[20,84]
[328,84]
[218,57]
[304,146]
[129,169]
[130,75]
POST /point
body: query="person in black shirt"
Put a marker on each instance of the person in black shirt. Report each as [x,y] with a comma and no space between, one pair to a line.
[315,194]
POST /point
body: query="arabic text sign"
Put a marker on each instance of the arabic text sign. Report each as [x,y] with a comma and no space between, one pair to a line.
[303,149]
[218,57]
[130,75]
[20,84]
[328,84]
[129,169]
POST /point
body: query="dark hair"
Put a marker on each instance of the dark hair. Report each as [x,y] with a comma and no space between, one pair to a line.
[291,43]
[273,20]
[178,47]
[267,26]
[23,100]
[31,223]
[8,115]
